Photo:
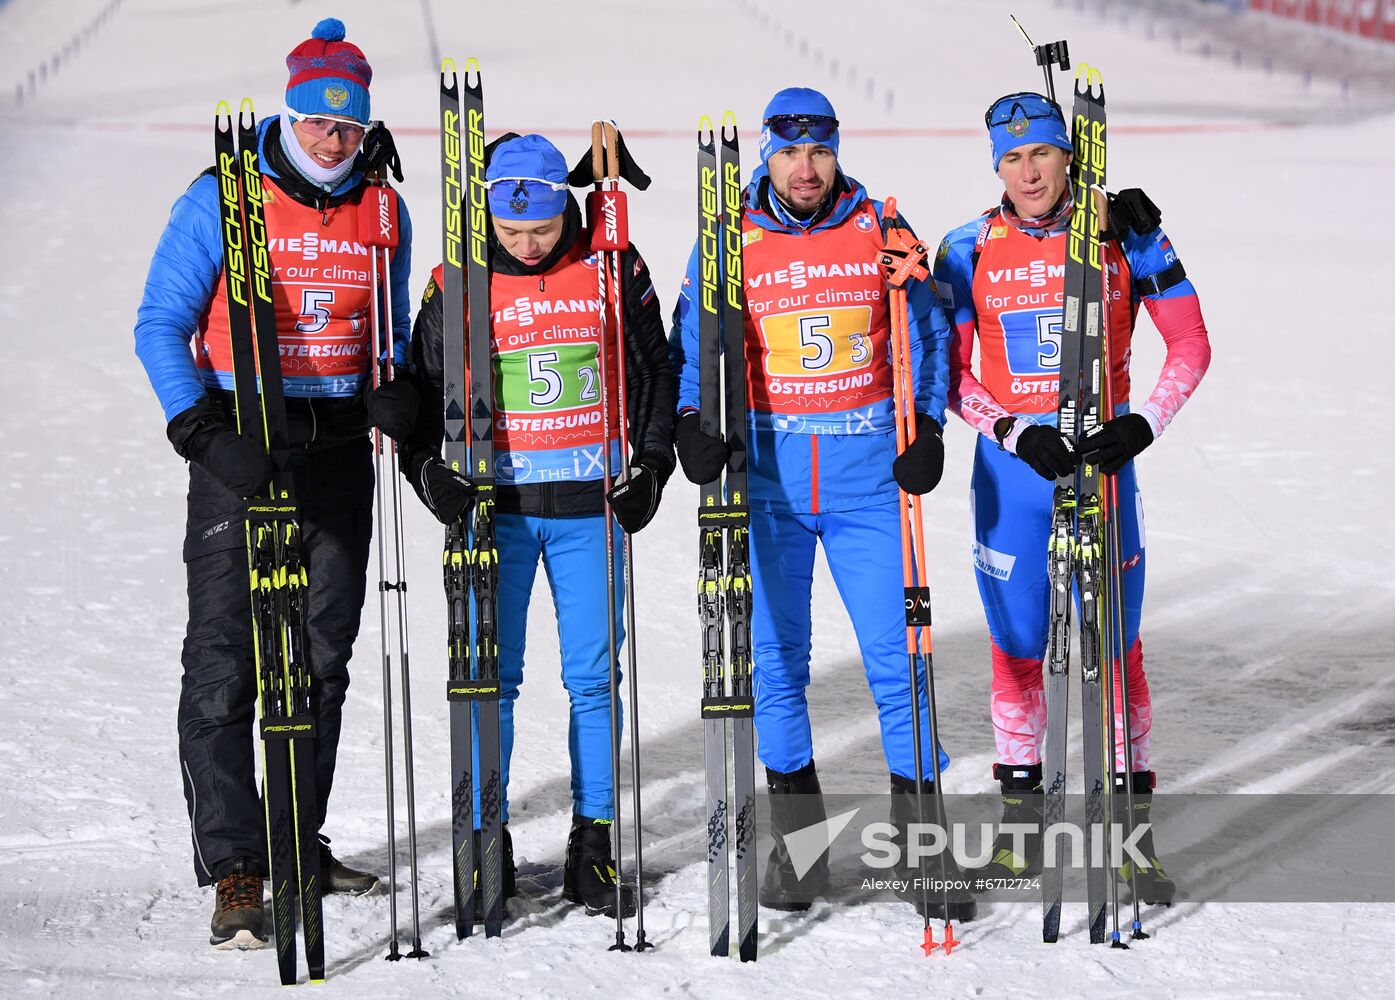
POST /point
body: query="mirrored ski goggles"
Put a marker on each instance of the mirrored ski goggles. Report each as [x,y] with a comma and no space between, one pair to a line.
[1026,105]
[790,127]
[323,126]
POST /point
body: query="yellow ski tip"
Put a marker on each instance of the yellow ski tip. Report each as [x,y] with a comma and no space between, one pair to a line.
[447,66]
[472,65]
[223,108]
[245,108]
[704,123]
[728,120]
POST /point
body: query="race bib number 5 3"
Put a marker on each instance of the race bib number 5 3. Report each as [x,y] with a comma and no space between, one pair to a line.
[825,342]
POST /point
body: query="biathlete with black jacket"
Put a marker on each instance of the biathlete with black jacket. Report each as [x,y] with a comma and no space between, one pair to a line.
[822,459]
[549,440]
[1000,280]
[313,179]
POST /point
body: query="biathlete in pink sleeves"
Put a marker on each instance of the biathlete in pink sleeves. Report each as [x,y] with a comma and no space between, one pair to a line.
[1001,278]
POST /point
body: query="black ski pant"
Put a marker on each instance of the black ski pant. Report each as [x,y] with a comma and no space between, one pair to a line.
[218,753]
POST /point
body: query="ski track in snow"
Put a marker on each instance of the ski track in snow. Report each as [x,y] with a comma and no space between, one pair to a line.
[1268,631]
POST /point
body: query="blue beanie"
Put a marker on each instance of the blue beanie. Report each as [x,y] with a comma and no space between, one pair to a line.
[520,163]
[1022,120]
[795,101]
[329,76]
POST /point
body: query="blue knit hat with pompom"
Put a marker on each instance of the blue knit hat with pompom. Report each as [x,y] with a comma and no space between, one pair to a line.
[329,76]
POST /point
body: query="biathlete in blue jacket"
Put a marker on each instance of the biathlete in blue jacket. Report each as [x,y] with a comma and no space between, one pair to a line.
[822,458]
[313,178]
[1000,280]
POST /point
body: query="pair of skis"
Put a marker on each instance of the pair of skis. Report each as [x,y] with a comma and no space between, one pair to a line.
[471,560]
[279,585]
[724,576]
[1084,544]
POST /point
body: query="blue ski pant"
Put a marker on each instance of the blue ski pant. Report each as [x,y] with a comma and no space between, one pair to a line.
[1012,508]
[572,552]
[863,550]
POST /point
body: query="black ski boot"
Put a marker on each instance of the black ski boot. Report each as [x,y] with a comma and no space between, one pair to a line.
[590,874]
[510,872]
[336,876]
[238,918]
[962,905]
[796,802]
[1154,884]
[1021,791]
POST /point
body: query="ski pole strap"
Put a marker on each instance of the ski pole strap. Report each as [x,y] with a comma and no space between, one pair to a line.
[584,173]
[1156,284]
[903,257]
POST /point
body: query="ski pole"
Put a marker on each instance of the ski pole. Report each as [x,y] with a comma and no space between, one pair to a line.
[379,376]
[598,170]
[904,260]
[1048,56]
[614,237]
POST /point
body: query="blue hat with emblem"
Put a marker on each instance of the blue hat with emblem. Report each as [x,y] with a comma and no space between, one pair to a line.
[329,76]
[1024,119]
[527,180]
[795,115]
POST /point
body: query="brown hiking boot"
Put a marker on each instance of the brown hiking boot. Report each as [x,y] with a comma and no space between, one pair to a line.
[238,918]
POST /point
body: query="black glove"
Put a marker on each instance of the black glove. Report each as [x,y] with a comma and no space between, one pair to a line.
[203,434]
[1114,443]
[634,501]
[1047,451]
[379,150]
[392,407]
[1131,209]
[702,455]
[447,494]
[919,467]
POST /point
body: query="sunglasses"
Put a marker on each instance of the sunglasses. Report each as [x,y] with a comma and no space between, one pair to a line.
[323,126]
[791,127]
[523,182]
[1026,104]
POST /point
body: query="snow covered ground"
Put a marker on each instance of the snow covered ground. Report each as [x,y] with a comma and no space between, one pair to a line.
[1270,598]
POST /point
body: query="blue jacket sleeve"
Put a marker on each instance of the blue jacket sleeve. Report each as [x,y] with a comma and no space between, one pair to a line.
[178,289]
[400,281]
[1150,254]
[683,338]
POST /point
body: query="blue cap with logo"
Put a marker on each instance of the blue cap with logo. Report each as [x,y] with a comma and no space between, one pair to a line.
[527,180]
[795,115]
[1024,119]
